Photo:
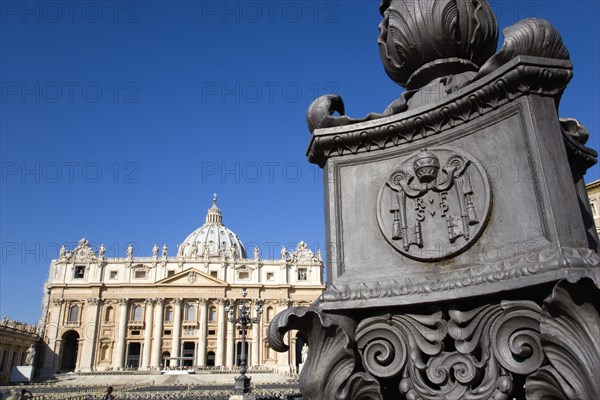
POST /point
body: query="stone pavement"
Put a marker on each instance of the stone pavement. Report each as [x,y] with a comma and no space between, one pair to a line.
[200,378]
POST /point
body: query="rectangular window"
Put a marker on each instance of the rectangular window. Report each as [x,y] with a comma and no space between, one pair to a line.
[140,274]
[167,332]
[302,274]
[270,276]
[113,274]
[213,273]
[135,333]
[212,332]
[243,275]
[79,272]
[170,273]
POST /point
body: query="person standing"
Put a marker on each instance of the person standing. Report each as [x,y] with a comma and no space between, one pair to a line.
[109,395]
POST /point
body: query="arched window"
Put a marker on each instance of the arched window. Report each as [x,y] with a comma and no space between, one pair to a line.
[108,315]
[74,313]
[270,313]
[191,313]
[138,314]
[169,314]
[212,314]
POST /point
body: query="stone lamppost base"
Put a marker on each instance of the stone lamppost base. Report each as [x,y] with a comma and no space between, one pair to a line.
[242,383]
[463,260]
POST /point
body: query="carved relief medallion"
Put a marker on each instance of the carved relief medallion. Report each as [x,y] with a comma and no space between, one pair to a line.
[434,203]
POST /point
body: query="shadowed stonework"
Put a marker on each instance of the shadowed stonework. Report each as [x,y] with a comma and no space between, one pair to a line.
[464,260]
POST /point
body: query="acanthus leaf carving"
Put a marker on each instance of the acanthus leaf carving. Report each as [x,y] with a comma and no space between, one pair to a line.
[330,370]
[532,37]
[570,332]
[490,344]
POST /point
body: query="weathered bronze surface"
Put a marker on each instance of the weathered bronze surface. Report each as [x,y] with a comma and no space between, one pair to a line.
[463,260]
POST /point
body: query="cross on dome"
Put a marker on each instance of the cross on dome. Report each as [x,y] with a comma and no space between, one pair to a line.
[213,216]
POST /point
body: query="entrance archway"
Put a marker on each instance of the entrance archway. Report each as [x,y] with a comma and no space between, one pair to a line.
[189,350]
[210,359]
[166,361]
[70,346]
[133,355]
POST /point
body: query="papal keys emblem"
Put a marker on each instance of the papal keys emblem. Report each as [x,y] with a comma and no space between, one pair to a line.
[434,204]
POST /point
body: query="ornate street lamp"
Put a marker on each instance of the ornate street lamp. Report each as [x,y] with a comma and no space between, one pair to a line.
[242,382]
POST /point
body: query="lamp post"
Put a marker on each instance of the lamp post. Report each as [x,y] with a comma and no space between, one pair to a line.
[242,382]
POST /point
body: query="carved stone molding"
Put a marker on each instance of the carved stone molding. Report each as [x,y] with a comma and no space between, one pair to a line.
[176,301]
[94,301]
[58,302]
[521,76]
[192,277]
[285,302]
[534,264]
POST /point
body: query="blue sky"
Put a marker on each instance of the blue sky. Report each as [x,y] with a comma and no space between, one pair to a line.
[120,119]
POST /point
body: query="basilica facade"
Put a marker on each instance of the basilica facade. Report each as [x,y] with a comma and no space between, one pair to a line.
[164,312]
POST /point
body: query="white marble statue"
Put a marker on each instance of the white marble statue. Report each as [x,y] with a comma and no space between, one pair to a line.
[283,253]
[30,355]
[129,250]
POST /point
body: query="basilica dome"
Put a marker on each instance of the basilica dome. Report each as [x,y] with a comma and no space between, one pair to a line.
[212,238]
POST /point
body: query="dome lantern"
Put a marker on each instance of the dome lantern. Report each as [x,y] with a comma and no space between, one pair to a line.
[213,216]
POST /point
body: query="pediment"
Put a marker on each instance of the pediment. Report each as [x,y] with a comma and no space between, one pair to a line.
[191,277]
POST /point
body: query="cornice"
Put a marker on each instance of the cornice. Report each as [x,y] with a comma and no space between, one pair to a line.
[521,76]
[545,266]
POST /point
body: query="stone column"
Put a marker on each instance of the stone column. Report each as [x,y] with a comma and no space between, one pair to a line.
[51,356]
[90,328]
[148,334]
[255,358]
[120,349]
[175,347]
[79,353]
[201,348]
[220,356]
[230,349]
[158,331]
